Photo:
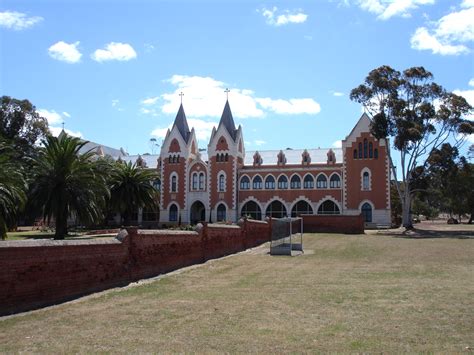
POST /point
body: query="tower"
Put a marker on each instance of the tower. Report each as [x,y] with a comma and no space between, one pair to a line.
[226,155]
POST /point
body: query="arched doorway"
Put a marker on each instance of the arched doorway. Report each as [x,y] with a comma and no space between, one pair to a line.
[221,213]
[328,207]
[252,209]
[366,210]
[276,209]
[198,212]
[301,207]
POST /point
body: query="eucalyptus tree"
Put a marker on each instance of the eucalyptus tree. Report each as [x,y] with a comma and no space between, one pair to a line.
[419,114]
[131,188]
[67,183]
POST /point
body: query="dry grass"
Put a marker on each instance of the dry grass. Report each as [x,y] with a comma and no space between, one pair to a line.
[369,293]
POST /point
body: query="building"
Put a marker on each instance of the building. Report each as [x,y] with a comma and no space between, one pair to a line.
[226,182]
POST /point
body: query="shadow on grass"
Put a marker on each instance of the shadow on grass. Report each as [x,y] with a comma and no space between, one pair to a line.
[417,233]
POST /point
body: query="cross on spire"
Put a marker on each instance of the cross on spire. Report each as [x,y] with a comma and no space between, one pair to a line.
[227,93]
[181,94]
[63,125]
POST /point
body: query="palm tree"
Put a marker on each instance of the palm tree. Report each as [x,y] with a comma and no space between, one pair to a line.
[12,189]
[132,189]
[68,183]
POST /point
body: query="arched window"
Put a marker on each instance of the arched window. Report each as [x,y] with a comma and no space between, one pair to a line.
[257,183]
[174,183]
[221,183]
[226,157]
[276,209]
[376,153]
[251,209]
[308,182]
[173,216]
[295,182]
[157,184]
[328,207]
[301,207]
[282,182]
[366,181]
[218,158]
[269,182]
[371,150]
[360,150]
[170,159]
[221,213]
[335,182]
[322,181]
[201,181]
[366,210]
[365,149]
[195,181]
[355,153]
[245,183]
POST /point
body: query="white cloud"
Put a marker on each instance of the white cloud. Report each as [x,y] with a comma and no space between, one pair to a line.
[55,131]
[114,51]
[274,17]
[471,82]
[291,106]
[17,21]
[65,52]
[115,102]
[337,144]
[469,96]
[337,93]
[259,142]
[388,9]
[308,38]
[467,3]
[52,116]
[149,47]
[150,100]
[66,114]
[448,35]
[202,93]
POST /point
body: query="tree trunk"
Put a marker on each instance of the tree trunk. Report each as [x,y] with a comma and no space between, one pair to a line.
[61,224]
[406,211]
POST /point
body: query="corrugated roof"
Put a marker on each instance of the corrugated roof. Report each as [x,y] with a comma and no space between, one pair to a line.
[114,153]
[293,156]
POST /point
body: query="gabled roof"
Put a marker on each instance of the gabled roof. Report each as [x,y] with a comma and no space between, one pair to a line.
[228,121]
[182,124]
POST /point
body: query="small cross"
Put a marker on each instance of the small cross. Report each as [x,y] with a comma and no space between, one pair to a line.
[181,94]
[227,92]
[63,126]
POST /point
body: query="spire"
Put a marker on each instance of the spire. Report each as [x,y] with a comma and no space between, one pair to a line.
[182,124]
[228,121]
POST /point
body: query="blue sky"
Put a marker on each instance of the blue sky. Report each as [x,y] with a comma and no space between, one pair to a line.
[112,70]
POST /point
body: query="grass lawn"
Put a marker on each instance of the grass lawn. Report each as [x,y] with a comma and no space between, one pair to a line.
[36,234]
[370,293]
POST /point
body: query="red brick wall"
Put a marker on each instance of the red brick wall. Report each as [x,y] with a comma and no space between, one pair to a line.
[333,224]
[39,273]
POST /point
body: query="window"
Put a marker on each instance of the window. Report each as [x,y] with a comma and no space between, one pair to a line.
[170,159]
[257,183]
[366,210]
[360,150]
[376,153]
[221,213]
[282,182]
[221,183]
[295,182]
[365,149]
[201,181]
[371,150]
[322,181]
[276,210]
[270,182]
[174,183]
[226,157]
[328,207]
[301,207]
[195,181]
[157,184]
[355,153]
[335,182]
[245,183]
[173,213]
[366,181]
[308,182]
[251,209]
[218,158]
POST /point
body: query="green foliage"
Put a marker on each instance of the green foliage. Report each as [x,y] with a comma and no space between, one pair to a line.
[12,188]
[131,189]
[418,114]
[68,183]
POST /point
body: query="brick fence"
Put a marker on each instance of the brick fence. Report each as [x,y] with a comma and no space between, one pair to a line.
[333,224]
[38,273]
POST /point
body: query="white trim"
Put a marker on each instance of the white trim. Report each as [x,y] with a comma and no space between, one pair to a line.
[287,182]
[273,199]
[327,181]
[340,181]
[253,178]
[301,198]
[170,190]
[219,174]
[325,198]
[366,201]
[299,177]
[365,170]
[274,182]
